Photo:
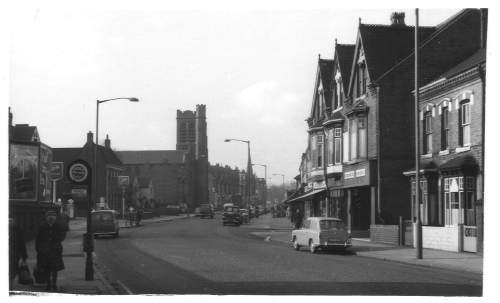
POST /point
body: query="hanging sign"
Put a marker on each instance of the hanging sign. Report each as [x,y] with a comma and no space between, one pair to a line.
[79,172]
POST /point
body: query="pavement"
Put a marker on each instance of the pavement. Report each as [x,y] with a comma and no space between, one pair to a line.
[71,280]
[279,230]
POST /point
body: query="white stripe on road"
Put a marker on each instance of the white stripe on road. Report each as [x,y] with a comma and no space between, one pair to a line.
[127,290]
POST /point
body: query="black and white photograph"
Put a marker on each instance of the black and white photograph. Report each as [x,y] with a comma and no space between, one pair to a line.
[307,152]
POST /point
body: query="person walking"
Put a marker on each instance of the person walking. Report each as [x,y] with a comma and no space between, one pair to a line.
[49,249]
[17,249]
[297,219]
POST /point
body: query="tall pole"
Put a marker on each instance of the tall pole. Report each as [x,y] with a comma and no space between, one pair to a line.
[249,174]
[418,226]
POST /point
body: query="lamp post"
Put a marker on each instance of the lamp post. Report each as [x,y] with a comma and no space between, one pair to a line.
[89,269]
[283,176]
[249,167]
[265,180]
[418,224]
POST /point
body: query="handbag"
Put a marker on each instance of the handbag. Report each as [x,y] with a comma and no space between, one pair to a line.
[24,275]
[40,275]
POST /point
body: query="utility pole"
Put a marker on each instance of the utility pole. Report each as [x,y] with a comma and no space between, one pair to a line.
[418,224]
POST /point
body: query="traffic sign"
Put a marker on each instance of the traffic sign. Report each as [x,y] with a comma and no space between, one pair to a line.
[79,172]
[56,171]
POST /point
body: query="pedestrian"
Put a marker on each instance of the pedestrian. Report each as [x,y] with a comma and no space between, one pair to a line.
[130,215]
[49,249]
[63,219]
[17,249]
[297,219]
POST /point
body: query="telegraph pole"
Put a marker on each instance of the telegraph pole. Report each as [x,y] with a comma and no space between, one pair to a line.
[418,224]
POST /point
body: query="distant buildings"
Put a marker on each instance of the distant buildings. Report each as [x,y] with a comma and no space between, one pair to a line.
[360,150]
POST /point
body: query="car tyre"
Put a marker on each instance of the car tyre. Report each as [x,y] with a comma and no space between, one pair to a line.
[312,248]
[296,245]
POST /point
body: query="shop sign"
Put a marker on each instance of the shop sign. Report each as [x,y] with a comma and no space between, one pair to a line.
[361,172]
[79,172]
[56,171]
[123,181]
[349,175]
[79,193]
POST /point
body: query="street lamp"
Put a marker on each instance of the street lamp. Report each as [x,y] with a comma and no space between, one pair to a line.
[283,176]
[89,268]
[265,180]
[249,166]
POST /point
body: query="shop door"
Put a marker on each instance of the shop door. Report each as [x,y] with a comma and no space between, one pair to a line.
[470,238]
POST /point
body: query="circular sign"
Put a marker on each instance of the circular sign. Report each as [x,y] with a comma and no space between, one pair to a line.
[78,172]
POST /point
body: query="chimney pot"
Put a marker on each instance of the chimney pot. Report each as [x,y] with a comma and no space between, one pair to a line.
[107,142]
[90,137]
[398,18]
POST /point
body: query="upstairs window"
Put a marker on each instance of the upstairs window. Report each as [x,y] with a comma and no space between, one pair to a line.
[362,137]
[361,79]
[464,123]
[427,133]
[319,150]
[337,152]
[445,129]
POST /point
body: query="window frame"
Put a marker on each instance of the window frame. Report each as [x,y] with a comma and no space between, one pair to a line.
[427,132]
[445,128]
[464,123]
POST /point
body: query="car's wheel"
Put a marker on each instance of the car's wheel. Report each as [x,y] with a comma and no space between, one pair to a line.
[296,245]
[312,248]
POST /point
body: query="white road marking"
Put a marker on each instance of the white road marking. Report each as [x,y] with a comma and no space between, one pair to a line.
[127,290]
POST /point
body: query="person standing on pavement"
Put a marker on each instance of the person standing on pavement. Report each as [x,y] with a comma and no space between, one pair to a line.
[297,219]
[49,249]
[17,248]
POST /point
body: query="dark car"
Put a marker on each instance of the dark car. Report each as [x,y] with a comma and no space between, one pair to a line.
[173,210]
[105,222]
[231,215]
[206,211]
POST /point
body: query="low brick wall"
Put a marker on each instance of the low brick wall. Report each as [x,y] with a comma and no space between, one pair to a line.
[384,234]
[439,237]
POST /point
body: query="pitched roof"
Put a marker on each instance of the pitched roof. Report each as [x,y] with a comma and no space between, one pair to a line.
[109,155]
[326,71]
[24,133]
[473,61]
[385,45]
[65,154]
[345,55]
[151,156]
[453,42]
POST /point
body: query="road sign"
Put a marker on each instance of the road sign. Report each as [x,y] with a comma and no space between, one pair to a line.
[56,171]
[123,181]
[79,172]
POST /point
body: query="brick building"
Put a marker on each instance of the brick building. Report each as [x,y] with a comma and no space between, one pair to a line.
[109,167]
[452,135]
[224,185]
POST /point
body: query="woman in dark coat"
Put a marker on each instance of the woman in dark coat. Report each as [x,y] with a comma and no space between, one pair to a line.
[49,249]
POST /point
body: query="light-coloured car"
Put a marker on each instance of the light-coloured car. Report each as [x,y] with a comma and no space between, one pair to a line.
[105,222]
[321,233]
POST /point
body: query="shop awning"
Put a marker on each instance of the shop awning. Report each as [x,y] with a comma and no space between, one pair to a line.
[310,194]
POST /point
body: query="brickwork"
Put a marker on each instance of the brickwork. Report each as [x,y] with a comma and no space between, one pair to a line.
[384,234]
[445,238]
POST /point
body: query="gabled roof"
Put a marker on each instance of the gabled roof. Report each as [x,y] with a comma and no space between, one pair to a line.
[24,133]
[473,61]
[151,156]
[324,75]
[385,45]
[344,54]
[453,42]
[109,155]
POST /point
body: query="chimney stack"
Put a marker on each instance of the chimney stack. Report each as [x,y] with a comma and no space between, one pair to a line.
[107,143]
[398,19]
[90,137]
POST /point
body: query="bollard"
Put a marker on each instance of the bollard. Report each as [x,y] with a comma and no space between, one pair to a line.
[401,232]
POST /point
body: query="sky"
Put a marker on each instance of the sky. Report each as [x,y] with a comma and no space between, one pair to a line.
[254,69]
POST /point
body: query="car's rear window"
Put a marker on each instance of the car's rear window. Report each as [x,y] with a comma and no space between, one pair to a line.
[102,217]
[330,224]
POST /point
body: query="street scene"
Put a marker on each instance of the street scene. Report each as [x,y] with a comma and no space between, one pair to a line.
[177,172]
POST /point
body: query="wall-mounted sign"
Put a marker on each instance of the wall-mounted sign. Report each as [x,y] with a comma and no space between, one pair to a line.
[360,172]
[123,181]
[349,175]
[79,172]
[79,193]
[56,171]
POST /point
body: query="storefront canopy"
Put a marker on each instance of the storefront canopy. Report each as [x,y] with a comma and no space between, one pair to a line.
[307,195]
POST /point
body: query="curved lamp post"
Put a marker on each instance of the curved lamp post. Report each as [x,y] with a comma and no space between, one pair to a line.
[249,166]
[89,268]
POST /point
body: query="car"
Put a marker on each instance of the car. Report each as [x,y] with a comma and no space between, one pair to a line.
[245,218]
[105,222]
[173,210]
[231,215]
[321,233]
[206,211]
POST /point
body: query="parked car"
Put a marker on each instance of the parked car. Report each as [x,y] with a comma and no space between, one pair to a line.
[251,212]
[245,218]
[231,215]
[321,233]
[206,211]
[105,222]
[173,210]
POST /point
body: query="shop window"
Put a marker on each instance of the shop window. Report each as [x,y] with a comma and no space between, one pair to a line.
[464,123]
[427,133]
[445,129]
